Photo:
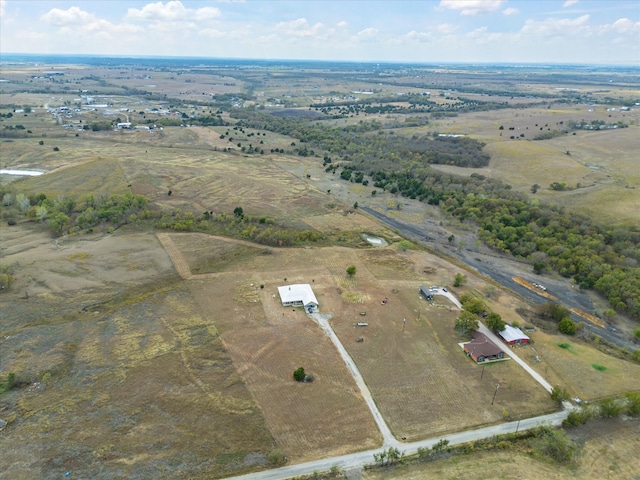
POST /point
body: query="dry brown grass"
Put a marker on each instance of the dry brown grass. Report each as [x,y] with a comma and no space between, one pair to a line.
[573,367]
[137,384]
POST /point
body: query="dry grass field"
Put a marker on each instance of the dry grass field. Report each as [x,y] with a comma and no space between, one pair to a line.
[573,367]
[123,374]
[604,163]
[133,366]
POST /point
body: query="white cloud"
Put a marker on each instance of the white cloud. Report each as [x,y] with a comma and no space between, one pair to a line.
[299,28]
[556,26]
[3,4]
[568,3]
[367,33]
[75,19]
[423,37]
[446,28]
[342,24]
[622,26]
[72,16]
[472,7]
[510,11]
[171,12]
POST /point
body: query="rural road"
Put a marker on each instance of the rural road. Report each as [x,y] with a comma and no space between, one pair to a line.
[389,439]
[494,338]
[359,459]
[500,272]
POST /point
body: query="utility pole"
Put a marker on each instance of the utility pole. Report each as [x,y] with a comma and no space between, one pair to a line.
[494,393]
[404,321]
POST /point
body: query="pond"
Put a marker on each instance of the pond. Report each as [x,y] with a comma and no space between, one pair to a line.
[377,241]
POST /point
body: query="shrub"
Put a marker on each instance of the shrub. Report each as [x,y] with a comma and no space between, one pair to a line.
[567,326]
[277,457]
[554,445]
[577,417]
[633,404]
[609,407]
[299,374]
[559,394]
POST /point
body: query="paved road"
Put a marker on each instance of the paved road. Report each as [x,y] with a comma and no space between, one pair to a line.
[359,459]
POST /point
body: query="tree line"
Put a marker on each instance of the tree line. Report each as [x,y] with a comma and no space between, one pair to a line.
[603,258]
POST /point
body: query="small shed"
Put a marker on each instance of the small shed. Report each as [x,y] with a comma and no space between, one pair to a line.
[426,293]
[481,349]
[513,336]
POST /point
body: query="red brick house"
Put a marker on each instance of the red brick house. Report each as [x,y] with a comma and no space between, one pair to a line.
[481,349]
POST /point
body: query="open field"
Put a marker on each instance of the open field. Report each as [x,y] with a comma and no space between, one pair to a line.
[572,366]
[136,383]
[604,163]
[130,365]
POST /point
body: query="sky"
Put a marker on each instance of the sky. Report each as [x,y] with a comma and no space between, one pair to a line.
[420,31]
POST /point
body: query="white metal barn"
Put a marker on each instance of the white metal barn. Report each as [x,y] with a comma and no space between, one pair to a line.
[298,295]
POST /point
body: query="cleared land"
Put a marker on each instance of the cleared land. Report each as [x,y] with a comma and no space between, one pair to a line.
[128,369]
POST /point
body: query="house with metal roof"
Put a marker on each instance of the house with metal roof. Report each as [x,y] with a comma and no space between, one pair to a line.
[298,295]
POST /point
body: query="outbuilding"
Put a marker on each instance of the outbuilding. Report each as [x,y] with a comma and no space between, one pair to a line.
[298,295]
[428,294]
[513,336]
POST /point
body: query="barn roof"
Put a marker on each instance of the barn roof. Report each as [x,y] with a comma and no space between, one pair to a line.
[300,292]
[511,334]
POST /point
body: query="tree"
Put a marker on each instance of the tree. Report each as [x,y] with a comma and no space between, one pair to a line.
[534,188]
[299,375]
[355,205]
[466,324]
[559,394]
[238,212]
[388,457]
[459,280]
[567,326]
[351,270]
[474,305]
[451,239]
[494,321]
[41,212]
[58,221]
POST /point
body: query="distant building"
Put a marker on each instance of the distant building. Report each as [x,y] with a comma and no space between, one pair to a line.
[298,295]
[512,336]
[481,349]
[125,125]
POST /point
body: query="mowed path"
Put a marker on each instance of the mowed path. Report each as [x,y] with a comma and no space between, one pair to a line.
[178,260]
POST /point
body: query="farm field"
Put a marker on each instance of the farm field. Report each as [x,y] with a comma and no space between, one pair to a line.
[142,351]
[603,163]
